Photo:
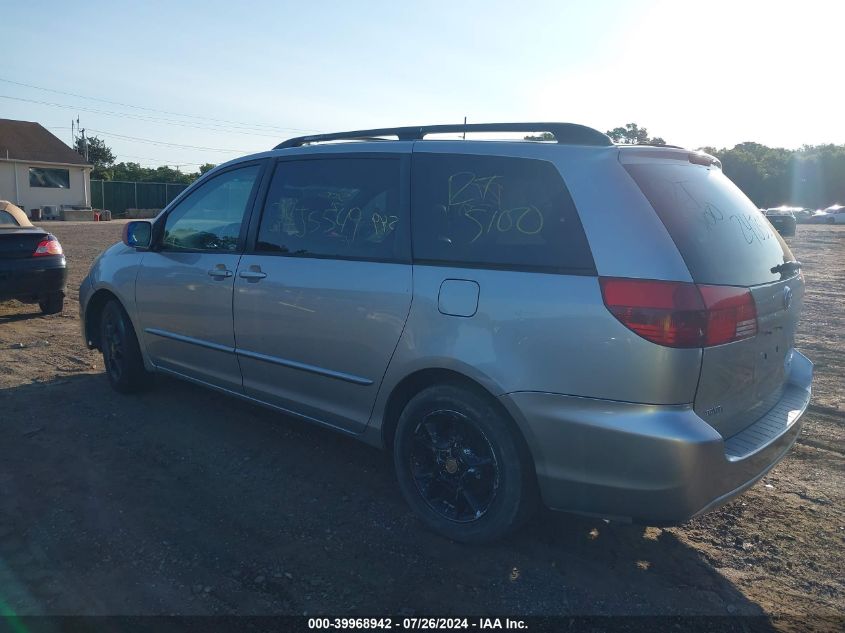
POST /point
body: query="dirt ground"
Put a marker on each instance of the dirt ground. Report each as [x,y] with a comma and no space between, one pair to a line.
[181,501]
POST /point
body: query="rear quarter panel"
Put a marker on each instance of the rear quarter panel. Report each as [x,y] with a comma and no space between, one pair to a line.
[626,236]
[537,332]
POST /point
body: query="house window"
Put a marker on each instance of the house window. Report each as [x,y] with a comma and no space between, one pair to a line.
[52,178]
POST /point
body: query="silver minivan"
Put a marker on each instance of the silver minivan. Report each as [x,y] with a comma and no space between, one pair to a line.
[604,329]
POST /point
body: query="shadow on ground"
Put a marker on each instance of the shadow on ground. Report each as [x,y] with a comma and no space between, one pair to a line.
[184,501]
[32,312]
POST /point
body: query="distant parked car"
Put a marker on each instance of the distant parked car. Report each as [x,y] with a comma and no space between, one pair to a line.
[783,219]
[32,263]
[835,214]
[802,214]
[817,217]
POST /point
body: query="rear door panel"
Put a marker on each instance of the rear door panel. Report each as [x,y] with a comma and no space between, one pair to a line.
[323,294]
[315,335]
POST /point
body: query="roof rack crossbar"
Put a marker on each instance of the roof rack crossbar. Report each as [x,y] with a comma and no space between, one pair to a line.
[564,133]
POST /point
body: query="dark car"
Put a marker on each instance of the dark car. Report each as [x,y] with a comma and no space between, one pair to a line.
[32,264]
[783,219]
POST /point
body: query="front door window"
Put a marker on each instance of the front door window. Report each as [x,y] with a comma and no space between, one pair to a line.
[211,217]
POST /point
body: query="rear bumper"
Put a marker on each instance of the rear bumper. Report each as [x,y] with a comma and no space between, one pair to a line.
[656,464]
[32,279]
[787,227]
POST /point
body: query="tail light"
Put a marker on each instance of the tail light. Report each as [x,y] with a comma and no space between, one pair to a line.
[48,246]
[678,314]
[731,314]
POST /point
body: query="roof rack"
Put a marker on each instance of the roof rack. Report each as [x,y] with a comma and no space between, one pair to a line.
[564,133]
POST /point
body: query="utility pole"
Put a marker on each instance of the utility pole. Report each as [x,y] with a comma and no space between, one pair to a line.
[84,145]
[81,132]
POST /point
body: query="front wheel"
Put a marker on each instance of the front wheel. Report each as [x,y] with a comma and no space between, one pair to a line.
[121,352]
[462,465]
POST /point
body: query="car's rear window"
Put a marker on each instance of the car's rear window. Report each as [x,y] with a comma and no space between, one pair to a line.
[8,219]
[496,212]
[722,236]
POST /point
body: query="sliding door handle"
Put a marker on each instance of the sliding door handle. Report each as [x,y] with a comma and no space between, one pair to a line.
[252,274]
[220,271]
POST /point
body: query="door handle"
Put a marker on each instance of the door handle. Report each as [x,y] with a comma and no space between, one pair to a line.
[220,271]
[253,274]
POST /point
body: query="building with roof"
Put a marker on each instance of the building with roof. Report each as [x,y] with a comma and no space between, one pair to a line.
[38,170]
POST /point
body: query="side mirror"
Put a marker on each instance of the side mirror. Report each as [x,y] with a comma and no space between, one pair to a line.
[138,234]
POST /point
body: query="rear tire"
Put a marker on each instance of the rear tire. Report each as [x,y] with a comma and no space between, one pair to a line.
[463,466]
[52,304]
[121,352]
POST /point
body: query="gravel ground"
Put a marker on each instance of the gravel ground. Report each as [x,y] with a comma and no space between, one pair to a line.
[183,501]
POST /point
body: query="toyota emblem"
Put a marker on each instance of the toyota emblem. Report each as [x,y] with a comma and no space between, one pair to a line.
[787,297]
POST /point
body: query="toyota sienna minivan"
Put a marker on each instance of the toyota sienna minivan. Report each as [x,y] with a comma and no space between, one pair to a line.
[603,329]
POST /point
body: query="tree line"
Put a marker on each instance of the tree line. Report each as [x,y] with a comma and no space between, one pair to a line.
[812,176]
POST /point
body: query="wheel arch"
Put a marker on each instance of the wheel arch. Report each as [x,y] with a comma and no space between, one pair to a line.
[528,497]
[93,313]
[415,382]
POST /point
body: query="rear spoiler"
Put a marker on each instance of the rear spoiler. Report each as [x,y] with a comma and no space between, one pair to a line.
[641,154]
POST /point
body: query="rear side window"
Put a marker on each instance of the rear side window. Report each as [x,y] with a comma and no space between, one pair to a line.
[498,212]
[8,218]
[722,236]
[335,208]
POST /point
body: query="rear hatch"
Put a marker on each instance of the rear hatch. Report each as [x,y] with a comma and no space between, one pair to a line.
[20,243]
[725,240]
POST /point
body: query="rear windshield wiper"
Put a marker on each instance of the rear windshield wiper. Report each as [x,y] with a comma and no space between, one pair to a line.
[786,267]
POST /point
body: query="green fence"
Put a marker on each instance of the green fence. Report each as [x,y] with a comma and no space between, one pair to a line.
[117,195]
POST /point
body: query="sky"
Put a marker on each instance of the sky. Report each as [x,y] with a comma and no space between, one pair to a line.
[188,82]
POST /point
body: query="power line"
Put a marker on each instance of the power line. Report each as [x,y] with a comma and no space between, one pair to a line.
[190,116]
[139,117]
[146,140]
[163,162]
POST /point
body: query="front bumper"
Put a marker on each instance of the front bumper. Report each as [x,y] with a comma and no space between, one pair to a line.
[656,464]
[33,278]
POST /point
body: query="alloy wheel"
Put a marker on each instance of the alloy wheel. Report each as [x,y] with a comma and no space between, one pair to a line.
[454,466]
